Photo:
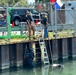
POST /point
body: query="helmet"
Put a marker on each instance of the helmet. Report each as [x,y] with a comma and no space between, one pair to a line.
[44,15]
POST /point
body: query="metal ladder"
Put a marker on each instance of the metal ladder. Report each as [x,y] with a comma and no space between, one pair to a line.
[44,52]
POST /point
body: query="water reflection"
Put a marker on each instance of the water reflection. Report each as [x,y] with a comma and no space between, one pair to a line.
[69,69]
[46,70]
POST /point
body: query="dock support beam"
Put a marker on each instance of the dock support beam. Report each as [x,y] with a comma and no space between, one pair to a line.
[4,56]
[69,48]
[12,55]
[19,56]
[60,52]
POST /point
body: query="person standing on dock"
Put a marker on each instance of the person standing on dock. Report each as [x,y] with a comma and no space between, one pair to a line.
[30,23]
[45,24]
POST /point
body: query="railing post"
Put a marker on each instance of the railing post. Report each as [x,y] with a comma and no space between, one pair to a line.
[21,26]
[8,24]
[55,22]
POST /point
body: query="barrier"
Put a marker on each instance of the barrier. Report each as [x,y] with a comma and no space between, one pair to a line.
[14,36]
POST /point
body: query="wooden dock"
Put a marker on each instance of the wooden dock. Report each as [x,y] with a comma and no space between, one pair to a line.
[12,51]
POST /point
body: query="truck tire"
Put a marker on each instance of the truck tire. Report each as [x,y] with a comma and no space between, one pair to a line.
[16,21]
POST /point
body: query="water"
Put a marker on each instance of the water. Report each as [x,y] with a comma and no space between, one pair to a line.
[68,69]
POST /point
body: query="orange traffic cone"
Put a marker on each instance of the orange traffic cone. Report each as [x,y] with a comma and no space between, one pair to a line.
[13,24]
[36,22]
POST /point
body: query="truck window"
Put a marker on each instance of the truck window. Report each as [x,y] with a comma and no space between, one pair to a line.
[34,11]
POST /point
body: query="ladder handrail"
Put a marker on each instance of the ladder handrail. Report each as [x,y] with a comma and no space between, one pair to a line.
[45,52]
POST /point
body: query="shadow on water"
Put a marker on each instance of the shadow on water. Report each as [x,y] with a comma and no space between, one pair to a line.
[4,71]
[28,68]
[12,69]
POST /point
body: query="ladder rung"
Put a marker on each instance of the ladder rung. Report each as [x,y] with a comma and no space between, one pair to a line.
[41,42]
[45,52]
[43,47]
[46,62]
[46,57]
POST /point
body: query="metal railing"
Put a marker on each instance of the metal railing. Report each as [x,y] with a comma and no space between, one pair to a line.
[63,19]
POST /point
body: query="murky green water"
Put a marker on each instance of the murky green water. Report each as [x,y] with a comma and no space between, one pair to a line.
[69,69]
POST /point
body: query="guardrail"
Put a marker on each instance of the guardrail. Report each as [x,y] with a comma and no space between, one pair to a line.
[23,27]
[39,27]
